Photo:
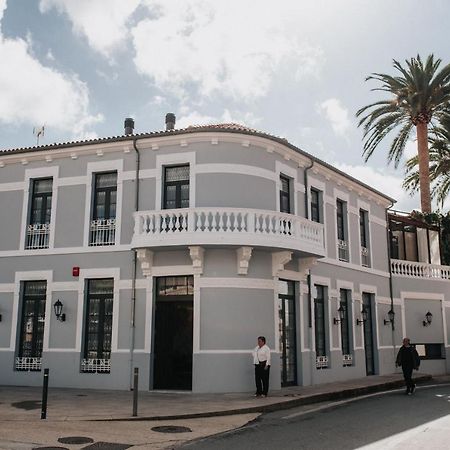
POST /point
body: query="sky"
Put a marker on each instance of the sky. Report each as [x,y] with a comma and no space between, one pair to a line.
[292,68]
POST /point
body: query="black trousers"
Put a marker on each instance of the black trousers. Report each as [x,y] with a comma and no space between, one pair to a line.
[262,378]
[407,375]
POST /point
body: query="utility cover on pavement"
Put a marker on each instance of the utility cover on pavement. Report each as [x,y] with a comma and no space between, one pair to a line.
[107,446]
[75,440]
[27,405]
[172,429]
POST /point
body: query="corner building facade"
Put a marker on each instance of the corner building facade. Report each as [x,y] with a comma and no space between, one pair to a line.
[172,251]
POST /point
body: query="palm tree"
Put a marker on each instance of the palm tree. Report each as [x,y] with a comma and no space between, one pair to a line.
[439,165]
[420,95]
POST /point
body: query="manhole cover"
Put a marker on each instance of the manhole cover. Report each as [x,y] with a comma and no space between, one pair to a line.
[81,395]
[50,448]
[172,429]
[107,446]
[75,440]
[27,405]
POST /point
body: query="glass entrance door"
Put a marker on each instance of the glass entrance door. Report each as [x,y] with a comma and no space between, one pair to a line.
[173,333]
[368,334]
[287,330]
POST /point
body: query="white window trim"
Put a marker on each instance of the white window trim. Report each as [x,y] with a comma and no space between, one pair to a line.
[343,196]
[86,274]
[32,174]
[175,159]
[290,172]
[32,275]
[366,207]
[96,167]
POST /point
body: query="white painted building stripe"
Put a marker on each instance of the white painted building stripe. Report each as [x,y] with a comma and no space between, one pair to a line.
[248,283]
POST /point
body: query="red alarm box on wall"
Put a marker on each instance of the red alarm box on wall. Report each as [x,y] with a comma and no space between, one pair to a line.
[75,271]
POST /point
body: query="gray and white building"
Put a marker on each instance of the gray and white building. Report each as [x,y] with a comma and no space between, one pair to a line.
[172,251]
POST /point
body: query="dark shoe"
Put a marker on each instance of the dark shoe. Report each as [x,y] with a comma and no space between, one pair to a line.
[257,395]
[413,388]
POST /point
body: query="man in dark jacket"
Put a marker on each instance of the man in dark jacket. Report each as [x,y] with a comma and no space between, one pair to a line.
[408,359]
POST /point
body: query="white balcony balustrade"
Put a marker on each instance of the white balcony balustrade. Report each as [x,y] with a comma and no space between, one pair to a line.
[229,226]
[342,248]
[37,236]
[413,269]
[102,232]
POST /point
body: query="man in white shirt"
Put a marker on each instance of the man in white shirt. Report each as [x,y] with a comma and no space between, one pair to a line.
[261,360]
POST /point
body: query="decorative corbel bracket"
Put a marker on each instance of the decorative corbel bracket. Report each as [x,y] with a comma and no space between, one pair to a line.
[279,259]
[145,257]
[243,258]
[305,265]
[197,254]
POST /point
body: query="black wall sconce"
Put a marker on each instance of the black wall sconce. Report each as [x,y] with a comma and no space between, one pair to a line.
[0,317]
[341,312]
[364,316]
[428,319]
[391,317]
[58,307]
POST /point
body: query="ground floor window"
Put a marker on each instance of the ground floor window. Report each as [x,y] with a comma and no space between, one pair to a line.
[345,323]
[98,326]
[319,327]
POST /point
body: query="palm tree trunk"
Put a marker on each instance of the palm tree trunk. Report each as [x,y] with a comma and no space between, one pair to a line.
[424,166]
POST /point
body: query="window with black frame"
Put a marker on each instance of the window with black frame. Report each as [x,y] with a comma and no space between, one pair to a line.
[285,194]
[103,222]
[98,326]
[316,215]
[344,303]
[176,187]
[341,230]
[319,327]
[364,236]
[32,320]
[38,228]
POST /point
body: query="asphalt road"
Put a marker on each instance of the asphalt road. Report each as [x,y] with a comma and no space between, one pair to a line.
[387,421]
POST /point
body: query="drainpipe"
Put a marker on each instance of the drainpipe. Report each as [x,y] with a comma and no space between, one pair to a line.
[308,277]
[133,278]
[391,290]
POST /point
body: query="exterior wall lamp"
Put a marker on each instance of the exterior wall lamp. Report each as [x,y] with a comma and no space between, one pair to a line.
[341,312]
[58,307]
[364,316]
[0,317]
[391,317]
[428,319]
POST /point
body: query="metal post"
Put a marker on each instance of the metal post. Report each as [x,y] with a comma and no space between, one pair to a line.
[44,395]
[135,391]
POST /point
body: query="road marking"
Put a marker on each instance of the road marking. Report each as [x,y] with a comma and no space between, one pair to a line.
[350,400]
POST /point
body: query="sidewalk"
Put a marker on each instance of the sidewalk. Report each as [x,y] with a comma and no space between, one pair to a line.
[24,403]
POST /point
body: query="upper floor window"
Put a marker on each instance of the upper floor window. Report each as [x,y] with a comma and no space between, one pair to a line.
[285,194]
[32,321]
[316,213]
[98,326]
[103,222]
[38,228]
[341,212]
[176,187]
[364,236]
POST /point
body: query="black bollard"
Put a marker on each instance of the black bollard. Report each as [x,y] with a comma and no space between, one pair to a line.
[135,391]
[44,395]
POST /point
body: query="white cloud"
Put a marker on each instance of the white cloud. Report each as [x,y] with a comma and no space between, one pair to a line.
[104,24]
[233,48]
[35,94]
[388,184]
[337,115]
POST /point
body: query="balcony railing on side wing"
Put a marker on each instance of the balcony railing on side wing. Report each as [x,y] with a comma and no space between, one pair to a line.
[102,232]
[413,269]
[37,236]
